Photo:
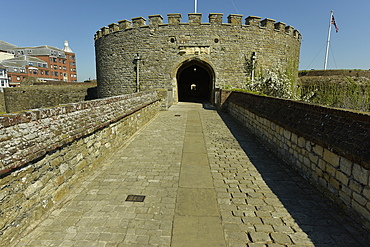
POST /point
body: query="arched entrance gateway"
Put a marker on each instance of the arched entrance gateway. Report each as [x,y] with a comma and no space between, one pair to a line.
[195,81]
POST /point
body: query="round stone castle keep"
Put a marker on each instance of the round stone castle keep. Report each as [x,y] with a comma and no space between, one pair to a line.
[192,59]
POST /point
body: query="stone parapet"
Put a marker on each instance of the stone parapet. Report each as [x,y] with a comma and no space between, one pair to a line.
[155,20]
[18,99]
[2,103]
[125,24]
[174,19]
[268,23]
[195,19]
[113,27]
[45,152]
[29,135]
[280,26]
[215,18]
[138,22]
[328,146]
[235,20]
[253,21]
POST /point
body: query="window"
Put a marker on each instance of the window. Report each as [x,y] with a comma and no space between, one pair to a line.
[30,63]
[1,72]
[56,73]
[46,72]
[15,69]
[18,78]
[23,71]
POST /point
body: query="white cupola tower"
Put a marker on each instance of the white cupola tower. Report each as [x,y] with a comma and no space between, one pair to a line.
[66,47]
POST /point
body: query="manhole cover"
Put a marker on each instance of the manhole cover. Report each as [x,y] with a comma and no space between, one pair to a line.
[135,198]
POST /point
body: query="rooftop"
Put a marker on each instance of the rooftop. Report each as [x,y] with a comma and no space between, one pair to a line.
[6,46]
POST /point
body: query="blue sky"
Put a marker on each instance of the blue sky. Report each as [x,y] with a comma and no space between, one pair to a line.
[47,22]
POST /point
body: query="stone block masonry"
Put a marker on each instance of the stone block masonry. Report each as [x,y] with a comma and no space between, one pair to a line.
[43,152]
[225,49]
[328,146]
[31,97]
[2,103]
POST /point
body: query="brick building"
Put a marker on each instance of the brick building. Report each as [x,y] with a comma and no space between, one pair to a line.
[3,78]
[46,63]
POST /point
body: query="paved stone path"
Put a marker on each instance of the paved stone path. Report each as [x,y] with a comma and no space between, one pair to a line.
[206,182]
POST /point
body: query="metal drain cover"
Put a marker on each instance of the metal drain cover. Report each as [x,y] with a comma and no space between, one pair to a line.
[135,198]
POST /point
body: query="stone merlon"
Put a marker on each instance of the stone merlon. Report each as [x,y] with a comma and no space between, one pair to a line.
[195,19]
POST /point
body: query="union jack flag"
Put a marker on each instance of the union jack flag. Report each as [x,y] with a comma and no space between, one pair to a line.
[334,23]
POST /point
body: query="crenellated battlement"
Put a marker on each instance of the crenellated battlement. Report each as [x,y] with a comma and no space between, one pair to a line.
[146,53]
[194,19]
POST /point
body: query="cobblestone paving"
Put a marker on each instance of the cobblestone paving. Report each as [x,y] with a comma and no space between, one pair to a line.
[261,201]
[98,215]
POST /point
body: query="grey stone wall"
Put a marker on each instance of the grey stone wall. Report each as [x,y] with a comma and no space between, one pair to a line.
[2,103]
[44,152]
[328,146]
[33,97]
[225,48]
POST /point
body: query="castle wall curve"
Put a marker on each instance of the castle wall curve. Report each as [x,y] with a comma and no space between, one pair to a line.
[163,46]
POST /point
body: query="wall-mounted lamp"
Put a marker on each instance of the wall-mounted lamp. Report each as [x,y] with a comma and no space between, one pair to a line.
[137,62]
[137,57]
[253,60]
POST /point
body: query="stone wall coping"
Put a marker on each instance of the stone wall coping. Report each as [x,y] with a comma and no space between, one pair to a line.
[342,131]
[52,128]
[10,119]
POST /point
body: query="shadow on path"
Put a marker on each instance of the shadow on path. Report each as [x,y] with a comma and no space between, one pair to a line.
[315,214]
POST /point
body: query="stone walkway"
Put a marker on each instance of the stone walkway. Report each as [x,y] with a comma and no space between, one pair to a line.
[206,182]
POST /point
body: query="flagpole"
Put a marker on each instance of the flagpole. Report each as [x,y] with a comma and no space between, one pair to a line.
[195,6]
[328,41]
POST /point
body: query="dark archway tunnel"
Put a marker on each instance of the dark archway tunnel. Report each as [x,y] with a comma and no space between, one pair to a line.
[194,82]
